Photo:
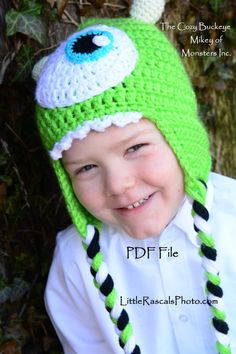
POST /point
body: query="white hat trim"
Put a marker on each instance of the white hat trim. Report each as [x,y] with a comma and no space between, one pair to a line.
[119,119]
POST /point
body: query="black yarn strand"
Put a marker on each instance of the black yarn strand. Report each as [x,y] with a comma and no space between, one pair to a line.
[93,272]
[200,210]
[220,325]
[107,285]
[204,183]
[214,289]
[123,320]
[209,252]
[121,343]
[94,246]
[136,350]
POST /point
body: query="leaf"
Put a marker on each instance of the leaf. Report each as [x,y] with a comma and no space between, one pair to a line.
[24,63]
[26,23]
[3,159]
[226,73]
[231,34]
[207,62]
[19,288]
[11,21]
[215,4]
[32,8]
[5,294]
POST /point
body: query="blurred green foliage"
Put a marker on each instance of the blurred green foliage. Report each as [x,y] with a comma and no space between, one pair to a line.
[31,206]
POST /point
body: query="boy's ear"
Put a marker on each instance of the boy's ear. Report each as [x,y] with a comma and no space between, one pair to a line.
[149,11]
[38,68]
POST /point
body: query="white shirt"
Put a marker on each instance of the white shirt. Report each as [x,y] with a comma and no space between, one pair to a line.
[80,318]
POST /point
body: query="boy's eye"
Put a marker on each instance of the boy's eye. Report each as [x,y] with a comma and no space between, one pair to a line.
[85,168]
[135,147]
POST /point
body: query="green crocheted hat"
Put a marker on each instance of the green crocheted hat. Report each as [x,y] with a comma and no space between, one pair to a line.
[115,71]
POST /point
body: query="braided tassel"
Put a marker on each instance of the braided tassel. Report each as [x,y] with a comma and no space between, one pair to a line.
[104,282]
[213,288]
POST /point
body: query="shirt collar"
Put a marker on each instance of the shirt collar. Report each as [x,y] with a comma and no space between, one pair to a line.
[184,219]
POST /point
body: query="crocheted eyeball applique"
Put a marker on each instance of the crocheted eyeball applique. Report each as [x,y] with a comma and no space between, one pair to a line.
[89,46]
[88,63]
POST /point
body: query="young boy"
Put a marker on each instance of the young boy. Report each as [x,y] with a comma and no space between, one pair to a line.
[118,115]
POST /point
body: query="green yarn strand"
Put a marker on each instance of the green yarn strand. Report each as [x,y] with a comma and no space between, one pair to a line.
[222,349]
[97,261]
[126,333]
[218,314]
[113,320]
[96,284]
[111,299]
[200,253]
[84,246]
[206,239]
[215,279]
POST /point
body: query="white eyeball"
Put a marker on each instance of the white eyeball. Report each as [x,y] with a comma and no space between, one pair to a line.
[88,63]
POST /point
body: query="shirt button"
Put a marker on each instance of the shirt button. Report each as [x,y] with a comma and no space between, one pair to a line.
[183,318]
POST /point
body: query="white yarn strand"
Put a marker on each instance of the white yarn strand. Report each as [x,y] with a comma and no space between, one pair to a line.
[202,224]
[210,266]
[219,301]
[222,338]
[102,274]
[90,234]
[129,346]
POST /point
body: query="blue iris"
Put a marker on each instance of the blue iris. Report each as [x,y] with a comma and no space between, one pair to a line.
[83,48]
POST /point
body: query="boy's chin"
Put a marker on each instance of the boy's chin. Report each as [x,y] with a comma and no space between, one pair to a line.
[144,233]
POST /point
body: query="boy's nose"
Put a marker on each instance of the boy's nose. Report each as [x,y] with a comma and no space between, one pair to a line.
[118,181]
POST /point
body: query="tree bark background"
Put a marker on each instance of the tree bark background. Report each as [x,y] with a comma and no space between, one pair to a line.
[213,79]
[32,210]
[222,131]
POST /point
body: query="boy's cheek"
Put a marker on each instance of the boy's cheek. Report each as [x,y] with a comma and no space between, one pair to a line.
[89,198]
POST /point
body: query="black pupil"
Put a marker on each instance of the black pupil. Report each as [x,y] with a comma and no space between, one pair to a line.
[84,44]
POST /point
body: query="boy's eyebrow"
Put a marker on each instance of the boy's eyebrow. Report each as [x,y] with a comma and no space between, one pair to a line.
[121,142]
[75,162]
[139,134]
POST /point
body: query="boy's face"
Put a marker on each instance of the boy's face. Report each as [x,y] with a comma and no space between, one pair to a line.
[127,177]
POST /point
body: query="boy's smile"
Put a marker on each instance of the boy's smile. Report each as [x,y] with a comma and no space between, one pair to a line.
[127,177]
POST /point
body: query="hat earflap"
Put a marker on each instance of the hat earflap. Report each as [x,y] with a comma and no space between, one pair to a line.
[208,253]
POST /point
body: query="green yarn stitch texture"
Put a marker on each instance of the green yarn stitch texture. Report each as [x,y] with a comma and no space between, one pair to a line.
[159,88]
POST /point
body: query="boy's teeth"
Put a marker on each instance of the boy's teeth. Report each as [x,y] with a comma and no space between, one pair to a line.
[137,204]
